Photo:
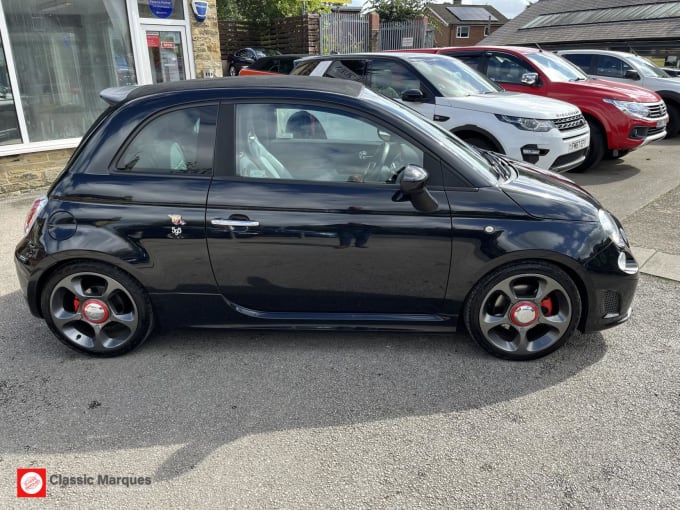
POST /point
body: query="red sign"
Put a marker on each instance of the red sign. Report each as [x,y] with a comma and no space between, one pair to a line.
[31,482]
[153,39]
[168,45]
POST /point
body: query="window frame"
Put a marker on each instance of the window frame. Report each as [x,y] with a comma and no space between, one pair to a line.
[114,168]
[459,30]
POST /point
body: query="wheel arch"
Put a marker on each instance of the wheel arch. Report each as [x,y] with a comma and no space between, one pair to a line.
[564,263]
[75,258]
[472,131]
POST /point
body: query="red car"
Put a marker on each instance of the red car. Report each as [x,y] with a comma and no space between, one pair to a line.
[622,117]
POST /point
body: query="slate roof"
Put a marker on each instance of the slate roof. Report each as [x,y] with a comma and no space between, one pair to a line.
[443,14]
[512,32]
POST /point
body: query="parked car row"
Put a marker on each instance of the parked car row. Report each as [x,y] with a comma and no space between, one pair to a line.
[551,134]
[618,118]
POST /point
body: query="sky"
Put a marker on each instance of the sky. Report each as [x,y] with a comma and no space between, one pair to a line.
[508,8]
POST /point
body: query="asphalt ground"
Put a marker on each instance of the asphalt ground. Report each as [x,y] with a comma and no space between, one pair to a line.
[334,420]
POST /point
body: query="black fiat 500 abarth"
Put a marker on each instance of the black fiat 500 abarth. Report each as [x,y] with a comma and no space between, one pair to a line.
[298,202]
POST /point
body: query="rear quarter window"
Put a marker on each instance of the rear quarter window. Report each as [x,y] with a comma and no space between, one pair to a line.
[177,142]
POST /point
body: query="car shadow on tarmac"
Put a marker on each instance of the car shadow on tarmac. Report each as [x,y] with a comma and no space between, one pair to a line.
[200,389]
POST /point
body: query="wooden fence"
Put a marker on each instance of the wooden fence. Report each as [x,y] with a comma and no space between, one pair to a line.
[296,34]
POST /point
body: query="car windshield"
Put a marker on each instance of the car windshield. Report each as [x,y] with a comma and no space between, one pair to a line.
[453,78]
[262,52]
[438,135]
[648,69]
[556,68]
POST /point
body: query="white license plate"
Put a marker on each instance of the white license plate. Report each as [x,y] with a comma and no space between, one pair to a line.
[661,123]
[578,144]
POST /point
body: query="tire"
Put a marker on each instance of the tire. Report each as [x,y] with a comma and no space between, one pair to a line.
[523,311]
[232,71]
[481,143]
[673,120]
[120,315]
[596,150]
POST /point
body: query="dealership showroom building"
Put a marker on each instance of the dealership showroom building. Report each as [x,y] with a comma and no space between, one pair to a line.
[57,55]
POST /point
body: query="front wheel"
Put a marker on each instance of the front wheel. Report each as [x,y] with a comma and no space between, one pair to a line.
[481,143]
[596,150]
[96,309]
[523,311]
[232,71]
[673,126]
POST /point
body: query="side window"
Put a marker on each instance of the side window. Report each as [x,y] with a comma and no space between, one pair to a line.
[391,78]
[612,67]
[347,70]
[505,69]
[472,60]
[311,143]
[306,68]
[177,142]
[581,60]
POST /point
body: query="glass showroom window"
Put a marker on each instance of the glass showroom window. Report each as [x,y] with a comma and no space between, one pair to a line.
[9,125]
[64,53]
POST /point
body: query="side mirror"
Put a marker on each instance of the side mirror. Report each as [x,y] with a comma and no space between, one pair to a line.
[412,180]
[631,74]
[530,79]
[412,96]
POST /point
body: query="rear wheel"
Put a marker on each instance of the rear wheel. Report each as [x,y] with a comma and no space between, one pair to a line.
[523,311]
[232,71]
[96,309]
[596,150]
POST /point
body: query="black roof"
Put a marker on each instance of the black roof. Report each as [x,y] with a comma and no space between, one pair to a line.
[118,94]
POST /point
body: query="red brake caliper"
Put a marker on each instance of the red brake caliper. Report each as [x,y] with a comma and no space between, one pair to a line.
[547,306]
[76,304]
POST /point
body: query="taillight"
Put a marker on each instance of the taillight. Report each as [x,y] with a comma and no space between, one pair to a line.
[36,209]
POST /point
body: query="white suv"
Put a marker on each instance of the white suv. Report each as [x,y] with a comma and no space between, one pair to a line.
[629,68]
[549,133]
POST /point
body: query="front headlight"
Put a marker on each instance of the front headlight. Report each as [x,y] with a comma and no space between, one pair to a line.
[611,228]
[527,124]
[630,107]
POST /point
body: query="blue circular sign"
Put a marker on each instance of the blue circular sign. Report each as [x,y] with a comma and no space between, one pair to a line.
[161,8]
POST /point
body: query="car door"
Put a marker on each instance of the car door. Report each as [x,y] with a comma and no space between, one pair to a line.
[312,225]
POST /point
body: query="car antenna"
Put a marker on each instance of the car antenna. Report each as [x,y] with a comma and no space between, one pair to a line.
[539,47]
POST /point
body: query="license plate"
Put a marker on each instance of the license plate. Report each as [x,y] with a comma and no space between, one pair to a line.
[661,123]
[578,144]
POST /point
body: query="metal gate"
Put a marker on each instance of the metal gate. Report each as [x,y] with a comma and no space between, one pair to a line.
[397,35]
[344,32]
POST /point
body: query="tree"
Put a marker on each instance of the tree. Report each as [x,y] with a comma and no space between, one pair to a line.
[266,10]
[397,10]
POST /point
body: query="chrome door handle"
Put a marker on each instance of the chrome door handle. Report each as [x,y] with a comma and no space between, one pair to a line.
[220,222]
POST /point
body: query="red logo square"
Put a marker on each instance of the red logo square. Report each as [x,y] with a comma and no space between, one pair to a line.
[31,482]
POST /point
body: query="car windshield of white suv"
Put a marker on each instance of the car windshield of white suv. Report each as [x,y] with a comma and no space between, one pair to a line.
[453,78]
[556,68]
[648,69]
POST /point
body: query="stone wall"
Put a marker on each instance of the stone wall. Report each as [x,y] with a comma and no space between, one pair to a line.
[25,172]
[205,37]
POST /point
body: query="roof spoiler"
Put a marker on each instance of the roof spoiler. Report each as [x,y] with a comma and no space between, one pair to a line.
[114,95]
